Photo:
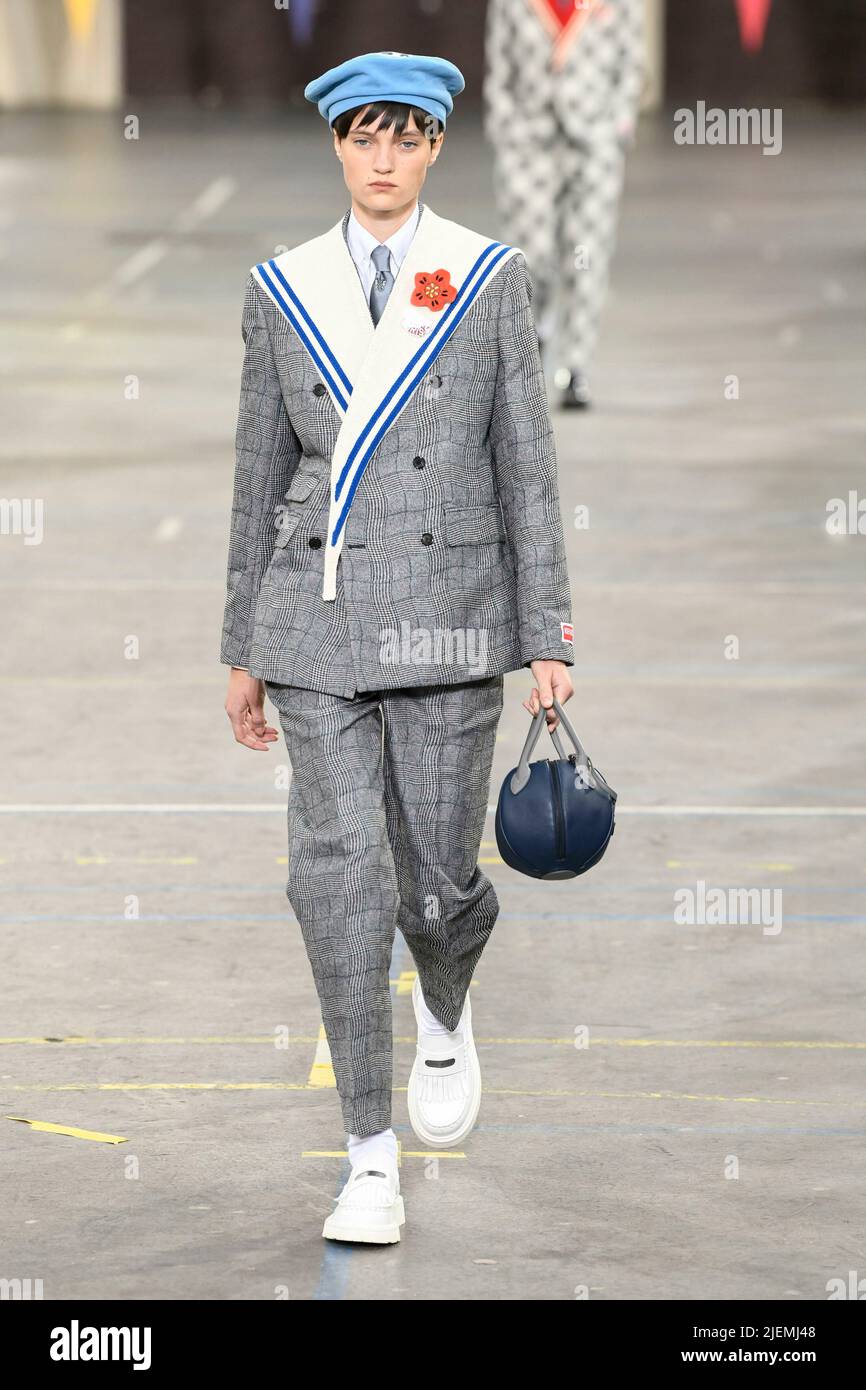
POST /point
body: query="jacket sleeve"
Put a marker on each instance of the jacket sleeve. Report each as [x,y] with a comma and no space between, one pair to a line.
[524,460]
[267,451]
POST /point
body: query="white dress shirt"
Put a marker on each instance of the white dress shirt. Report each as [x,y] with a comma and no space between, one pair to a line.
[362,244]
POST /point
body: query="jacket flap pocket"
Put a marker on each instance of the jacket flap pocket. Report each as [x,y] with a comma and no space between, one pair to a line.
[473,525]
[301,486]
[287,525]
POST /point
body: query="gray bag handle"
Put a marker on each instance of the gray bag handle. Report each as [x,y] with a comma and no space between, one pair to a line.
[521,774]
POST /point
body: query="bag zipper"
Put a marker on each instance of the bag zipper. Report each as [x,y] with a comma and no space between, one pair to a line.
[557,811]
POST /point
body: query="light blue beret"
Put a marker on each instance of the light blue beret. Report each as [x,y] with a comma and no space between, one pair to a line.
[412,78]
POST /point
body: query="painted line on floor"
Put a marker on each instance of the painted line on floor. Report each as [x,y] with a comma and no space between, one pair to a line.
[552,1093]
[142,261]
[613,1127]
[321,1075]
[160,1086]
[265,1039]
[93,1134]
[404,1153]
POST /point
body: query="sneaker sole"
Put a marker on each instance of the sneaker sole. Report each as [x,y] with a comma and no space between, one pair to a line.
[369,1235]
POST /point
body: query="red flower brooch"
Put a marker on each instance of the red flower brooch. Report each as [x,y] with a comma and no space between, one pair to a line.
[433,291]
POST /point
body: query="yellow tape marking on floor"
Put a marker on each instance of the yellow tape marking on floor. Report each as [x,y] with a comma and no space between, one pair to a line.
[488,1091]
[321,1075]
[93,1134]
[164,1086]
[771,865]
[87,860]
[676,1095]
[164,859]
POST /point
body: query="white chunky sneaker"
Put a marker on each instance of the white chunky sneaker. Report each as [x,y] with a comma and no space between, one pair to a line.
[445,1083]
[369,1208]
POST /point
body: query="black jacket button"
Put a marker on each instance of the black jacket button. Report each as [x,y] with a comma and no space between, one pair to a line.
[319,389]
[418,462]
[315,542]
[426,539]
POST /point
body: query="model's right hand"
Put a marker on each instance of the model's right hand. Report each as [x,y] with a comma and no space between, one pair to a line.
[245,707]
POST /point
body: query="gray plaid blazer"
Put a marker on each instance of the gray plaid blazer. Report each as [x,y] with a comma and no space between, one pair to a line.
[453,566]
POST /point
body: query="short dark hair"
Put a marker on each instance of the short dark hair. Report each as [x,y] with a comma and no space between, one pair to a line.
[394,113]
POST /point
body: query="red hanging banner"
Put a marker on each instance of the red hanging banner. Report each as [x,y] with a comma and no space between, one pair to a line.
[752,16]
[563,20]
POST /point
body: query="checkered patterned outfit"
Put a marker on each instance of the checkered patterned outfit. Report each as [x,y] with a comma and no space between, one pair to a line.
[456,526]
[559,156]
[384,830]
[470,464]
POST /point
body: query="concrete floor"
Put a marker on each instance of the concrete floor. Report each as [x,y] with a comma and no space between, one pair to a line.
[709,1143]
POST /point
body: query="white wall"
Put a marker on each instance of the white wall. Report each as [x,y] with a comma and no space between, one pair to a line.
[655,50]
[61,52]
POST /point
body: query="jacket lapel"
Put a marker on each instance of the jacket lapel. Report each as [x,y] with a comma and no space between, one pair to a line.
[312,286]
[371,372]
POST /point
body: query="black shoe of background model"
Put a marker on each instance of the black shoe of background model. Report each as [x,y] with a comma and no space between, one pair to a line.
[575,396]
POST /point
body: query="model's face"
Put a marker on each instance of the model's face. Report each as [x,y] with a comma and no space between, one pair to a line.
[384,171]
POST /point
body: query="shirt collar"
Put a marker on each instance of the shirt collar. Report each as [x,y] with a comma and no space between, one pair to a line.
[362,243]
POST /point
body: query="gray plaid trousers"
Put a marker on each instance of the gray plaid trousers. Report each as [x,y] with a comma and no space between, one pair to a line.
[385,832]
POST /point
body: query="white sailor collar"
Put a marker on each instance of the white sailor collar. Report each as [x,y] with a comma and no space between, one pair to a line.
[371,371]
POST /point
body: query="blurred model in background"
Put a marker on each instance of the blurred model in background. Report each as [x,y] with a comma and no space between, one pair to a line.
[562,88]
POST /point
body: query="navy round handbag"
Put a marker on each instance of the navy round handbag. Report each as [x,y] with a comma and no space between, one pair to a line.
[554,818]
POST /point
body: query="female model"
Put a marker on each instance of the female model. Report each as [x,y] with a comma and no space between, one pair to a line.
[396,546]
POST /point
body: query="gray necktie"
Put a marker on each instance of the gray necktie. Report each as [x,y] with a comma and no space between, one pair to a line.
[383,282]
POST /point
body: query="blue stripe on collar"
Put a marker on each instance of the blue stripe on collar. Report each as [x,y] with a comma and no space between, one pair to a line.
[295,322]
[426,355]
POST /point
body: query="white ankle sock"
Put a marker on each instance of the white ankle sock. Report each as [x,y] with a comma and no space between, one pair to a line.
[430,1022]
[374,1151]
